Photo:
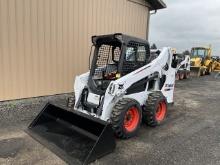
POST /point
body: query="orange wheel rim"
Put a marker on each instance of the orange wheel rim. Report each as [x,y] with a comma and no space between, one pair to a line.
[161,111]
[131,119]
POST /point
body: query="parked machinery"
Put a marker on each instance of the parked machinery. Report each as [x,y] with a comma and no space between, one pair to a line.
[201,61]
[183,66]
[123,88]
[216,60]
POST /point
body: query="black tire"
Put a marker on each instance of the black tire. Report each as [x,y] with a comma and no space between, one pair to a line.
[177,76]
[118,115]
[150,111]
[209,70]
[71,102]
[181,75]
[187,75]
[199,73]
[203,72]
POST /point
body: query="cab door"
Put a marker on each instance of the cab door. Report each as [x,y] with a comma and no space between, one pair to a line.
[136,56]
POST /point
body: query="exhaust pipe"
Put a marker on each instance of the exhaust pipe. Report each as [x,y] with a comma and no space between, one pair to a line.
[75,137]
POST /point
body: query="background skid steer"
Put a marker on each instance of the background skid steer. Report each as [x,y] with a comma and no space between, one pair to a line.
[183,66]
[123,88]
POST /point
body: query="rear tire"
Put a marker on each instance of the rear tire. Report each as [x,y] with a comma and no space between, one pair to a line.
[181,75]
[126,118]
[155,111]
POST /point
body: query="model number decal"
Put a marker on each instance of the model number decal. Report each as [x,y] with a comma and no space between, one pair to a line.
[169,85]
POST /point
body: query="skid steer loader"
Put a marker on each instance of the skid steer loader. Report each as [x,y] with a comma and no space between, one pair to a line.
[183,66]
[122,88]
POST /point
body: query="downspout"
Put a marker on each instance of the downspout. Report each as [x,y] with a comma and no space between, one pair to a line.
[148,22]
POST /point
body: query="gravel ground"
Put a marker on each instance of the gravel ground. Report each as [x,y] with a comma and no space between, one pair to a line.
[189,136]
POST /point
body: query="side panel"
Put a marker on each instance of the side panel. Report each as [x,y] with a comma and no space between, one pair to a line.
[45,43]
[169,85]
[80,83]
[157,66]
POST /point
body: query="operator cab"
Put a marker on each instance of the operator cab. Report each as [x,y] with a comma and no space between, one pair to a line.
[115,56]
[199,52]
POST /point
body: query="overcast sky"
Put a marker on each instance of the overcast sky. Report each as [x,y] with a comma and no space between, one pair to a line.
[187,23]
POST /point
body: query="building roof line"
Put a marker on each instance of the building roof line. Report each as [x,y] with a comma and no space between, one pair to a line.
[156,4]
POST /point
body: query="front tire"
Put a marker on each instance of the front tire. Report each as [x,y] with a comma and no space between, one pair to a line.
[209,70]
[177,76]
[203,72]
[126,118]
[156,109]
[187,75]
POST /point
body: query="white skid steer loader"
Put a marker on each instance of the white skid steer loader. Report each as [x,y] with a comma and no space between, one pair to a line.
[122,89]
[183,66]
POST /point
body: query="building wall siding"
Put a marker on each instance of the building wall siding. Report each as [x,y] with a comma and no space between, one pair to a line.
[45,43]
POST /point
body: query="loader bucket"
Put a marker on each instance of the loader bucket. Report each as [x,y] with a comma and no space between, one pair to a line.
[75,137]
[195,71]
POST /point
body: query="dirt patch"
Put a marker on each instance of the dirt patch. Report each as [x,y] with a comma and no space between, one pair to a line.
[10,147]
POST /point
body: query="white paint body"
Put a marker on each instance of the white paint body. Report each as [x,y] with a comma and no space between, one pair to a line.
[184,65]
[110,98]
